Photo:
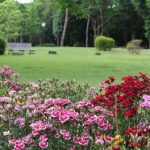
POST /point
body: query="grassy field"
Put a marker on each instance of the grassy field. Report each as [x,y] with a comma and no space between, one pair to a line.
[77,63]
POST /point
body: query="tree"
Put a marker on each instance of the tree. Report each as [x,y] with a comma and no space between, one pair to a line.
[33,21]
[143,8]
[10,19]
[57,20]
[69,7]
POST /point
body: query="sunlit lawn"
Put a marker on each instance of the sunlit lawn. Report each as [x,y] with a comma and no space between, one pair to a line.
[77,63]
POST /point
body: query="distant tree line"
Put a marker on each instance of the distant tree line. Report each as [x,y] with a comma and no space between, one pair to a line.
[75,22]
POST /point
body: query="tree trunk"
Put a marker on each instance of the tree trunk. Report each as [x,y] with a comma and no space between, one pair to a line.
[21,37]
[149,42]
[94,28]
[125,36]
[57,41]
[87,32]
[65,27]
[133,35]
[101,20]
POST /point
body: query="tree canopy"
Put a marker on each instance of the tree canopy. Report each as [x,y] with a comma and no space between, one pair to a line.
[75,22]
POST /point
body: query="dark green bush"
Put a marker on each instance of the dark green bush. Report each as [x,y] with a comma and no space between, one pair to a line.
[134,46]
[48,45]
[2,46]
[104,43]
[97,53]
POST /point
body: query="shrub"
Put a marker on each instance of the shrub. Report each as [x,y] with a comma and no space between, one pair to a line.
[134,46]
[104,43]
[2,46]
[48,45]
[97,53]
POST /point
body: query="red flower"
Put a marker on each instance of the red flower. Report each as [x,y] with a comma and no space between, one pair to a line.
[131,112]
[116,148]
[111,78]
[131,130]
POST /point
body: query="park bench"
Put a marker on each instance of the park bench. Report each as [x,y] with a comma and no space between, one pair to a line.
[19,48]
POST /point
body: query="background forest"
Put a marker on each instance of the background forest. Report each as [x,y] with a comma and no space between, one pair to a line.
[75,22]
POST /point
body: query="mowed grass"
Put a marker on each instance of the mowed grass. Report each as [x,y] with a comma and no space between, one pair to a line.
[80,64]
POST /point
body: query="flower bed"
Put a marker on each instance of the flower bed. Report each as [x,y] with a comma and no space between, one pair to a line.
[65,116]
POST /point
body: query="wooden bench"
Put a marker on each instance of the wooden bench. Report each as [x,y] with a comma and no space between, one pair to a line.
[19,48]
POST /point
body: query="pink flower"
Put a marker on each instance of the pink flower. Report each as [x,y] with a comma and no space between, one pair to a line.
[35,132]
[40,125]
[67,137]
[4,99]
[83,103]
[20,121]
[63,118]
[72,148]
[88,122]
[16,88]
[16,75]
[145,104]
[11,92]
[97,108]
[43,144]
[102,85]
[13,141]
[72,113]
[64,132]
[146,97]
[85,135]
[43,138]
[91,91]
[55,113]
[83,142]
[99,141]
[76,139]
[48,102]
[61,102]
[6,133]
[19,146]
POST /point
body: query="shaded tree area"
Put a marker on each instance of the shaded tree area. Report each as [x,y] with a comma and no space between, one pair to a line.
[75,22]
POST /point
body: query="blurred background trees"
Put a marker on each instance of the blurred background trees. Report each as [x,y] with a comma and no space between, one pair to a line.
[75,22]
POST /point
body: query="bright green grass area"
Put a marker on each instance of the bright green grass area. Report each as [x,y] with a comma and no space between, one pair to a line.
[80,64]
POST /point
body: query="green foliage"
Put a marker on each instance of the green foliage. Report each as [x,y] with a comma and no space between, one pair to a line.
[57,23]
[48,45]
[134,46]
[143,9]
[104,43]
[10,19]
[2,46]
[32,20]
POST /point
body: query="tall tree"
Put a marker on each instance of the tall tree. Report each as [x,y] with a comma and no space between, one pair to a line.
[32,21]
[143,8]
[71,7]
[10,19]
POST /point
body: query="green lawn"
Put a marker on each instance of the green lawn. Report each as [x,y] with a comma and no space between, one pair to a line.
[77,63]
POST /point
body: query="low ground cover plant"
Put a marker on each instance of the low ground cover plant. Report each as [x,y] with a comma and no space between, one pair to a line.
[65,116]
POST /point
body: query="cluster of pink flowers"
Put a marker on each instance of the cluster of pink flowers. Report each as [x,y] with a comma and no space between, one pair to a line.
[81,141]
[43,141]
[4,99]
[57,118]
[6,73]
[21,143]
[146,103]
[19,121]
